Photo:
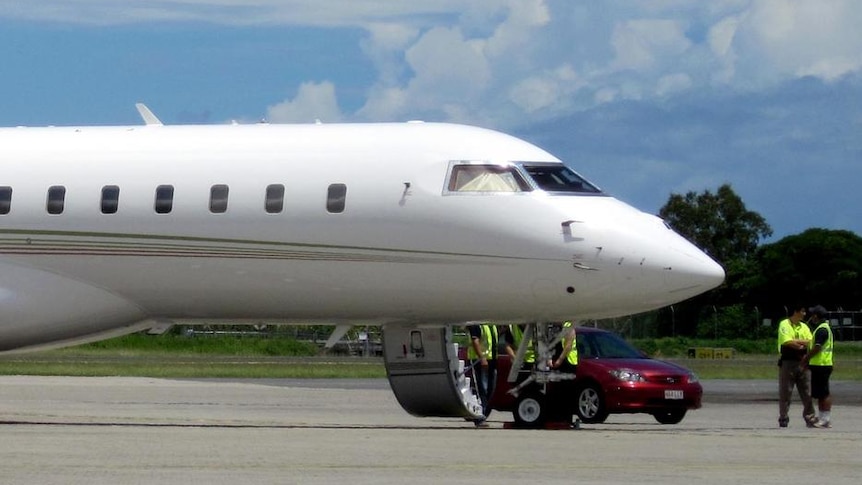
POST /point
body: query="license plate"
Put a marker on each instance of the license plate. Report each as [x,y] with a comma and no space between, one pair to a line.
[673,395]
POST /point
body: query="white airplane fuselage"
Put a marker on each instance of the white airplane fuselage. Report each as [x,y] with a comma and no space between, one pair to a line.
[400,246]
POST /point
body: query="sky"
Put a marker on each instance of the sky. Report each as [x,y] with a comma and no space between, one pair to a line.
[645,98]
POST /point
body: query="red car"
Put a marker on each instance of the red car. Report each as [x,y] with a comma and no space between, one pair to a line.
[612,377]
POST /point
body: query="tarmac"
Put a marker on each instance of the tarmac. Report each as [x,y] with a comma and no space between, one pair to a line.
[110,430]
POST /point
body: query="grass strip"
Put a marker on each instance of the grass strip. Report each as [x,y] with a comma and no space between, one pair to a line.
[177,356]
[173,366]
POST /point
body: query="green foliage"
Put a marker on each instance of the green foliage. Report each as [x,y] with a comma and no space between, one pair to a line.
[679,346]
[818,266]
[221,345]
[730,322]
[136,356]
[718,223]
[115,363]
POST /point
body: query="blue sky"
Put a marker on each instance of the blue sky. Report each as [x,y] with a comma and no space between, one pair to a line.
[644,97]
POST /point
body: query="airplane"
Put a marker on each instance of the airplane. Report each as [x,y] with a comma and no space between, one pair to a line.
[416,227]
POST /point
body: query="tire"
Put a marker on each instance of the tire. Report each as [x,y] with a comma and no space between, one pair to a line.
[591,407]
[670,416]
[530,410]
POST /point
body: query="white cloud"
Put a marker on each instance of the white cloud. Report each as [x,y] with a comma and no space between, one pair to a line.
[832,68]
[781,39]
[313,101]
[644,44]
[229,12]
[513,33]
[468,70]
[385,46]
[496,61]
[673,83]
[721,35]
[606,95]
[446,63]
[720,40]
[535,93]
[549,90]
[448,70]
[385,104]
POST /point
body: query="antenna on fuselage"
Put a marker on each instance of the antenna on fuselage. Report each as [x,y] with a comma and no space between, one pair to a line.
[149,118]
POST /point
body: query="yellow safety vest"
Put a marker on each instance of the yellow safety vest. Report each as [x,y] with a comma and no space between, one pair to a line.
[572,358]
[824,357]
[787,332]
[517,337]
[489,339]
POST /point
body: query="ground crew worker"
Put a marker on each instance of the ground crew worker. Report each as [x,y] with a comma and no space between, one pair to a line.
[482,353]
[514,339]
[566,359]
[794,338]
[819,359]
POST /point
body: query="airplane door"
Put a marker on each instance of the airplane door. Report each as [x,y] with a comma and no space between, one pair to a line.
[425,373]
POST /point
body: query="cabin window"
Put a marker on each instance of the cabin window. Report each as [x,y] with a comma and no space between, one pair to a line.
[110,199]
[556,177]
[164,199]
[5,199]
[486,178]
[218,198]
[336,198]
[274,202]
[56,199]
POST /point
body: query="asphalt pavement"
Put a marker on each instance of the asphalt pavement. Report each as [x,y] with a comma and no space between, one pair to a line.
[109,430]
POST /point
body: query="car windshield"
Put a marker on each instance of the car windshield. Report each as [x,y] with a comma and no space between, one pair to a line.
[558,178]
[605,346]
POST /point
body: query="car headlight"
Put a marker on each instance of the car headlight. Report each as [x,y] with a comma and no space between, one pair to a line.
[627,375]
[692,378]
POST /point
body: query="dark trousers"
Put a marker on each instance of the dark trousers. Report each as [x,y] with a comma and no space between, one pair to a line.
[791,375]
[486,382]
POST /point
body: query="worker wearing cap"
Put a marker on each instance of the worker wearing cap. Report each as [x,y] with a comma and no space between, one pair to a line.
[819,359]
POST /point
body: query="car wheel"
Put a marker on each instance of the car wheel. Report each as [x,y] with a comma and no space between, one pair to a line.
[591,404]
[670,416]
[530,410]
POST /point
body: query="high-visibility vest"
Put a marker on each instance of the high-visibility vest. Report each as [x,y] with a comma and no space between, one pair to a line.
[572,358]
[518,337]
[824,357]
[489,343]
[787,332]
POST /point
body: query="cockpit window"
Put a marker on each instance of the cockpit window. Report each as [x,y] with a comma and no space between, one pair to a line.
[556,177]
[486,178]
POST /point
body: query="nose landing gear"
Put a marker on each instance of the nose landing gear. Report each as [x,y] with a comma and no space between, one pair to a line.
[541,398]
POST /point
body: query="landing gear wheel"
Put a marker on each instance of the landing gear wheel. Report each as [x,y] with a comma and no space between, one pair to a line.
[530,410]
[591,405]
[670,416]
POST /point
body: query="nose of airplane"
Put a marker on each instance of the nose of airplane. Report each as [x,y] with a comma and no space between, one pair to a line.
[688,271]
[658,266]
[634,261]
[692,270]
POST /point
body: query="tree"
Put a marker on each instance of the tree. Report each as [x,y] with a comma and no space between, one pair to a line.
[718,223]
[818,266]
[721,225]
